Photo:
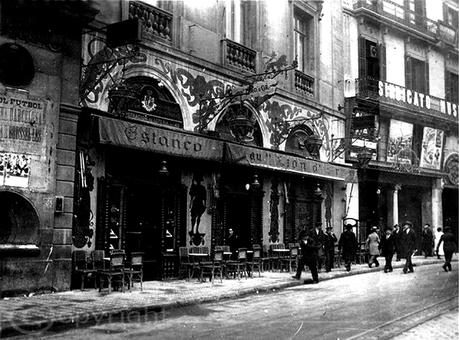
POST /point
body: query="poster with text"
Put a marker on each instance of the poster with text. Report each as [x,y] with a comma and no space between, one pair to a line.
[432,146]
[400,142]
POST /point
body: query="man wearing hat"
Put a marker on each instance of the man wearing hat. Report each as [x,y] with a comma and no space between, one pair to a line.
[348,243]
[449,247]
[318,235]
[309,256]
[329,248]
[409,245]
[372,245]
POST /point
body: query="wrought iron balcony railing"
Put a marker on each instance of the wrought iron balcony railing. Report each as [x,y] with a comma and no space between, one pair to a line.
[156,22]
[239,56]
[304,83]
[447,34]
[400,14]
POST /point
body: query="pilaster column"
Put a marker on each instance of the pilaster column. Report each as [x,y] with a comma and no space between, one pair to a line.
[395,205]
[437,203]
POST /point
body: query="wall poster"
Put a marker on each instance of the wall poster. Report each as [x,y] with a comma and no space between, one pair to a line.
[400,140]
[432,148]
[14,169]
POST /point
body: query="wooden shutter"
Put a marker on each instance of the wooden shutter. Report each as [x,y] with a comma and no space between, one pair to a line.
[427,78]
[408,75]
[362,58]
[448,86]
[382,60]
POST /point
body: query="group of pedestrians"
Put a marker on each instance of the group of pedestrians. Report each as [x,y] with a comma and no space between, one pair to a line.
[318,247]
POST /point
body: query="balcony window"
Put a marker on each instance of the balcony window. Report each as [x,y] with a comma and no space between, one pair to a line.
[416,13]
[451,87]
[304,40]
[417,75]
[372,64]
[241,21]
[451,17]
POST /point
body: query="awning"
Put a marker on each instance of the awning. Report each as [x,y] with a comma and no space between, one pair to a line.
[277,160]
[150,138]
[168,141]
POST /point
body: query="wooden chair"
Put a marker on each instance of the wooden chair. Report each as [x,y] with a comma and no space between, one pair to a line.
[337,257]
[115,272]
[255,263]
[185,264]
[239,266]
[134,269]
[83,267]
[265,259]
[216,265]
[291,260]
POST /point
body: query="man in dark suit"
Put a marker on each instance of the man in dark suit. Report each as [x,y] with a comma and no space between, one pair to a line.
[348,243]
[309,257]
[318,235]
[409,245]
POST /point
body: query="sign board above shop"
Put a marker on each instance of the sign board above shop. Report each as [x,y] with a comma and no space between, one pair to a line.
[155,139]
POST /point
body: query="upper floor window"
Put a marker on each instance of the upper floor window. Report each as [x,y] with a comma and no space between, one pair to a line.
[241,21]
[304,40]
[371,59]
[417,75]
[451,17]
[416,11]
[451,87]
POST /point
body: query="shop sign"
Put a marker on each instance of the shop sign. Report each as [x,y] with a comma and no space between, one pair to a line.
[432,148]
[278,161]
[150,138]
[417,99]
[21,119]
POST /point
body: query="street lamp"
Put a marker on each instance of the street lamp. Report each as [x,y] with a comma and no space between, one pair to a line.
[364,157]
[241,127]
[313,143]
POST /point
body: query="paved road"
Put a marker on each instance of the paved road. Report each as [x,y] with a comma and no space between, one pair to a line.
[368,306]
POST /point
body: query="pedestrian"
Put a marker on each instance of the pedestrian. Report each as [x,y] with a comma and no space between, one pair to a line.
[329,248]
[232,242]
[438,248]
[449,247]
[427,240]
[372,245]
[348,244]
[318,235]
[387,247]
[397,233]
[409,245]
[309,257]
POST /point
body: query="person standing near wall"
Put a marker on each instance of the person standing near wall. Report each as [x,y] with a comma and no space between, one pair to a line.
[329,247]
[397,233]
[427,240]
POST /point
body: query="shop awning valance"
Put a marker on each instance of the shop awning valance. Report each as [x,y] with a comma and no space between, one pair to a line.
[150,138]
[276,160]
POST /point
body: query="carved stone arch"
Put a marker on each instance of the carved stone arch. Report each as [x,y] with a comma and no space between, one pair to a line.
[19,221]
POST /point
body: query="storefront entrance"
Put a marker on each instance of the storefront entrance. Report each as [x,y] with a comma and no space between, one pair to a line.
[141,212]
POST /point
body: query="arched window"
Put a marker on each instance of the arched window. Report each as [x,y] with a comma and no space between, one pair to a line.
[303,141]
[224,125]
[19,221]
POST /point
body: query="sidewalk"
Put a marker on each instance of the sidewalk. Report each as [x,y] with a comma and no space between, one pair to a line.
[76,308]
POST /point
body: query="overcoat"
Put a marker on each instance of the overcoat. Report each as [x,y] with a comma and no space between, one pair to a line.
[372,243]
[449,242]
[387,245]
[348,244]
[408,242]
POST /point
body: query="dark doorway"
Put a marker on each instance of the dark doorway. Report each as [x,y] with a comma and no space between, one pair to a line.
[238,218]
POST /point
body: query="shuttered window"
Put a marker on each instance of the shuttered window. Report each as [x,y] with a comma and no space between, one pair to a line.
[416,75]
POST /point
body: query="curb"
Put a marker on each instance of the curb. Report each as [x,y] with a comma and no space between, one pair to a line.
[68,322]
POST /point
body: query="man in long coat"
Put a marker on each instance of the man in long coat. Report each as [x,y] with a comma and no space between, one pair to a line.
[427,240]
[372,245]
[398,241]
[348,244]
[409,245]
